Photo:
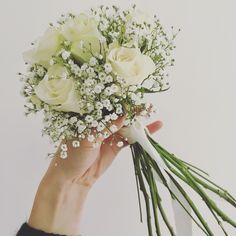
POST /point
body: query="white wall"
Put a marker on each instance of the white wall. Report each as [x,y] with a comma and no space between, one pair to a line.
[198,112]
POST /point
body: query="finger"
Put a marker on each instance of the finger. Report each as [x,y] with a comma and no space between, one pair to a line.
[155,126]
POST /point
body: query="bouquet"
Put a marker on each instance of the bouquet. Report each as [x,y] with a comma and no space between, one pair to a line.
[86,71]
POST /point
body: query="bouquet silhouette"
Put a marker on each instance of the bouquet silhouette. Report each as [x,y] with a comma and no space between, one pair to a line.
[86,71]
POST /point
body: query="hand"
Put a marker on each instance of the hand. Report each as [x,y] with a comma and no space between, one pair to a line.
[63,190]
[85,164]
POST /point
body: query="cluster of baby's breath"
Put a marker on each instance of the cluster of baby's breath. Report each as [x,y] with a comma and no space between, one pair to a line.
[35,73]
[152,39]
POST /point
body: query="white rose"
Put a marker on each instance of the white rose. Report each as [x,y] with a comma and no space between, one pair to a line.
[45,48]
[80,25]
[83,32]
[58,91]
[131,64]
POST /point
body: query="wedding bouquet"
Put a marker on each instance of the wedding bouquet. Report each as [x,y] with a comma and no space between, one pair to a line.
[86,71]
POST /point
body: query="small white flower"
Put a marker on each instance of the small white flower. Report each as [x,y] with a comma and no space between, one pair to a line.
[98,89]
[40,71]
[108,79]
[89,118]
[94,123]
[106,102]
[90,70]
[135,98]
[119,110]
[71,62]
[116,100]
[81,126]
[118,105]
[63,155]
[64,147]
[132,88]
[114,34]
[65,55]
[120,144]
[102,76]
[108,68]
[93,61]
[75,143]
[75,69]
[51,62]
[120,79]
[104,24]
[88,91]
[30,105]
[109,107]
[91,138]
[114,116]
[108,91]
[99,115]
[107,118]
[82,136]
[127,122]
[100,127]
[100,56]
[90,107]
[89,82]
[84,67]
[106,134]
[99,105]
[73,119]
[114,88]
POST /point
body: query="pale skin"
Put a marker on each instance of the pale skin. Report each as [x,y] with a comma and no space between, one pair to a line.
[63,189]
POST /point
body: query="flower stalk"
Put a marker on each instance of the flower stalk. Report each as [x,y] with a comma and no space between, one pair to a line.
[145,166]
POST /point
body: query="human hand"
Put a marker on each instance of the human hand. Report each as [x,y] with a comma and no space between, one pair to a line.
[85,164]
[63,190]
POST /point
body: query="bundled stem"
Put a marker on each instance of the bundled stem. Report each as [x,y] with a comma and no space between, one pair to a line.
[194,177]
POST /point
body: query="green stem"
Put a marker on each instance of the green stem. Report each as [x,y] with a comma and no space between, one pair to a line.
[147,171]
[188,199]
[163,214]
[195,167]
[223,192]
[218,190]
[193,183]
[143,189]
[180,165]
[158,171]
[218,221]
[210,201]
[138,186]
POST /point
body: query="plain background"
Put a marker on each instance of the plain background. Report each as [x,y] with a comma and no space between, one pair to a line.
[198,111]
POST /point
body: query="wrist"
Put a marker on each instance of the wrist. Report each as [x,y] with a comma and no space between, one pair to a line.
[58,205]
